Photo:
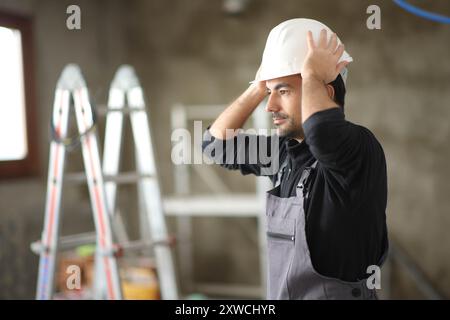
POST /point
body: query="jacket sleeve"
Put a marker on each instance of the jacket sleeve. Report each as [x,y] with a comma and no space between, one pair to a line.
[350,154]
[248,153]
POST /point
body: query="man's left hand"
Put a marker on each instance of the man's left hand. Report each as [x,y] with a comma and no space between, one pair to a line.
[321,62]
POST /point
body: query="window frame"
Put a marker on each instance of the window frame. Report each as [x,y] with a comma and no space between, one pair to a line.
[30,164]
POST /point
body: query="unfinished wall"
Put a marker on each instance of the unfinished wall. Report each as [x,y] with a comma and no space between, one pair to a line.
[190,52]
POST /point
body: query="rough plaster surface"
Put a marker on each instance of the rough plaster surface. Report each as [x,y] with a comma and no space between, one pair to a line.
[190,52]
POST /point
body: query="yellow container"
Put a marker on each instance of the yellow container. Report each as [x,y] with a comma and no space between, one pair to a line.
[140,283]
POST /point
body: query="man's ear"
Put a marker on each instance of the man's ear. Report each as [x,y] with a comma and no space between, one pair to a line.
[330,90]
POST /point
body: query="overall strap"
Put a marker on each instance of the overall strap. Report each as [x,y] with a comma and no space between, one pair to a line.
[280,173]
[304,179]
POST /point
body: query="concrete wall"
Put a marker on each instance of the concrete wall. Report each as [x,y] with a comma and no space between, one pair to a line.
[190,52]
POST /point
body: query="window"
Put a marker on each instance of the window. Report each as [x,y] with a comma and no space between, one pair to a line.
[17,122]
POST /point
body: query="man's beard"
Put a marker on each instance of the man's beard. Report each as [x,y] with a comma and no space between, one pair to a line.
[288,129]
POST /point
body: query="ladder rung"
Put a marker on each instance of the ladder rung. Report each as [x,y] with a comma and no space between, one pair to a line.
[141,244]
[77,240]
[121,178]
[68,242]
[127,177]
[102,110]
[72,241]
[243,205]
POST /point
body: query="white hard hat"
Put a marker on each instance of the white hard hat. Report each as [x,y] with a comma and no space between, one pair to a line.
[286,48]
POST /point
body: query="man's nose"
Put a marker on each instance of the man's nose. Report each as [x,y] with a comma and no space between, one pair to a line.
[272,104]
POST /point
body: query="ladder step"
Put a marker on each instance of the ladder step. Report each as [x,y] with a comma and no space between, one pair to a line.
[241,205]
[68,242]
[141,244]
[121,178]
[103,110]
[72,241]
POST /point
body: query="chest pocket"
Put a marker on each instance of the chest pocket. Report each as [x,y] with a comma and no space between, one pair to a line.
[281,228]
[281,246]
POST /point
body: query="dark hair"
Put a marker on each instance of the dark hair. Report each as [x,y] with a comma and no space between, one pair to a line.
[339,91]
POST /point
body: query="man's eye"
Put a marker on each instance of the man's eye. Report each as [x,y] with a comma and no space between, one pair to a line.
[282,92]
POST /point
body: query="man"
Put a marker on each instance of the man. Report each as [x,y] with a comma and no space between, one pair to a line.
[326,221]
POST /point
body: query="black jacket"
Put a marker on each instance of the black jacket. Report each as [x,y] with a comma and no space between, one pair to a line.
[345,212]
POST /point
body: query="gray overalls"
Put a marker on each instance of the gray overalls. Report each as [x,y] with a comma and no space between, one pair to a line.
[291,274]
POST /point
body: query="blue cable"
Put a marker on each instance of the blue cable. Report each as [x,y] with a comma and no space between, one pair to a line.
[422,13]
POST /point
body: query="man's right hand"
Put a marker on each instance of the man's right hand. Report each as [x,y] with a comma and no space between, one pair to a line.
[240,110]
[261,85]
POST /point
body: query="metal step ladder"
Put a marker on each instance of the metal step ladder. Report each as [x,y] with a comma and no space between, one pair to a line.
[71,86]
[103,185]
[126,97]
